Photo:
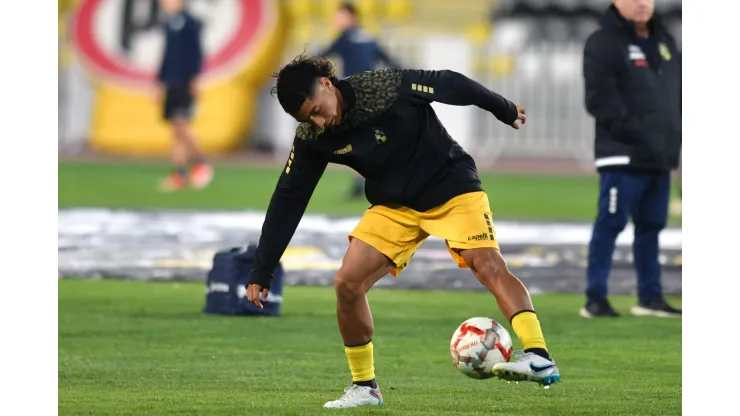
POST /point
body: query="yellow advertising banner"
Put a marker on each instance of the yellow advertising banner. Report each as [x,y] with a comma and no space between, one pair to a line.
[120,43]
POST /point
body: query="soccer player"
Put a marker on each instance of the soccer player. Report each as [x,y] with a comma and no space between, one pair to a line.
[420,182]
[181,64]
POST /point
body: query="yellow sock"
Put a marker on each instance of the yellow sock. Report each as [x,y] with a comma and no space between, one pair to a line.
[527,328]
[361,363]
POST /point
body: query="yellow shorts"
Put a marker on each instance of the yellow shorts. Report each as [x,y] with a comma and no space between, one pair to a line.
[464,222]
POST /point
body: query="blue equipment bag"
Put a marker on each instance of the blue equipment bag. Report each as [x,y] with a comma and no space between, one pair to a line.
[226,285]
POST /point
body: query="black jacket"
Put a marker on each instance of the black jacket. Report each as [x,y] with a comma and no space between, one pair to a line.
[633,90]
[391,135]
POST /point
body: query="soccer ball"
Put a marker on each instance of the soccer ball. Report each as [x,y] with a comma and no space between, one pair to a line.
[477,345]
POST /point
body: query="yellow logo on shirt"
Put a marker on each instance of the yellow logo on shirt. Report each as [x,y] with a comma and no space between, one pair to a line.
[379,136]
[665,52]
[343,151]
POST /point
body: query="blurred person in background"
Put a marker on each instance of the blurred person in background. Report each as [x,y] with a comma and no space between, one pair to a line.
[181,64]
[632,73]
[359,53]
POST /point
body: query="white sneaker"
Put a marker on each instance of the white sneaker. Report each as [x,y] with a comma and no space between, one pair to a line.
[356,396]
[658,307]
[528,367]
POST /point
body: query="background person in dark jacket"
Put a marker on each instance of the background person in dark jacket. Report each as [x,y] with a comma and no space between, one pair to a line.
[632,74]
[359,53]
[181,64]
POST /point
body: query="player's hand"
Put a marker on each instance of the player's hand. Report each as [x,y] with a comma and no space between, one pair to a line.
[253,295]
[521,116]
[159,94]
[195,87]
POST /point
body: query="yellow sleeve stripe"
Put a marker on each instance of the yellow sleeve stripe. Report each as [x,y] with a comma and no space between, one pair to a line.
[422,88]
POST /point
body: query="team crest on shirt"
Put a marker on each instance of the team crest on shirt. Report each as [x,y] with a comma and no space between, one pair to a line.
[379,135]
[665,52]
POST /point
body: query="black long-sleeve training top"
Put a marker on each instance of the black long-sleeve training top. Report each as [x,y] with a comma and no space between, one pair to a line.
[390,135]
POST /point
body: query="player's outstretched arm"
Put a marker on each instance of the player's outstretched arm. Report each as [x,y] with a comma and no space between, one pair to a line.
[336,47]
[287,206]
[386,58]
[453,88]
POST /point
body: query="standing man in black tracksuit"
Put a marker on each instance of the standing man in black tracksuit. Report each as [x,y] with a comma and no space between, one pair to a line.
[632,74]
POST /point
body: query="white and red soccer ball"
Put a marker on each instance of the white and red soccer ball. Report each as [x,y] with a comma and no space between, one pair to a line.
[477,345]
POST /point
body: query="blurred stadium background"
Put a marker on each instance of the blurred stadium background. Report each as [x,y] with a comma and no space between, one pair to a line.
[113,222]
[528,50]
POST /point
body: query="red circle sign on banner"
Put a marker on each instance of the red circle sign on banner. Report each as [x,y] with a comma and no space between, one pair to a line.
[238,24]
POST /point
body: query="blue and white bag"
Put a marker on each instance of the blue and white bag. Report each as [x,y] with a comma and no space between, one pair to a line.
[226,285]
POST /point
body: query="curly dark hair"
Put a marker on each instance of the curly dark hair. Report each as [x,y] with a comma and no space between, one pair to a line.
[296,81]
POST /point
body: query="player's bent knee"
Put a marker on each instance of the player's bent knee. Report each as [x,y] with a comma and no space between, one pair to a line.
[487,264]
[493,273]
[362,266]
[348,287]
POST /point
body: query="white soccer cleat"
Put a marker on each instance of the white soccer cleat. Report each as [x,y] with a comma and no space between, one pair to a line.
[356,396]
[528,367]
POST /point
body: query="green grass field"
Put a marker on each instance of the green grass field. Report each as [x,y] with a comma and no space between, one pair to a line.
[515,197]
[134,348]
[146,348]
